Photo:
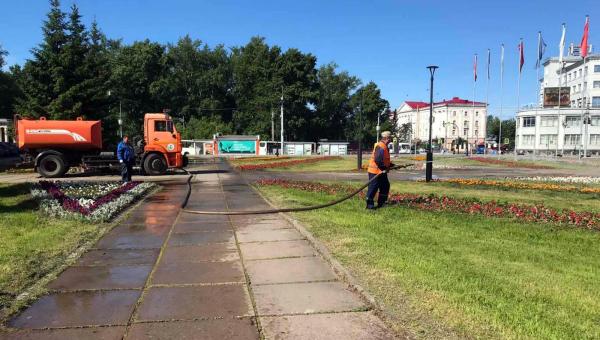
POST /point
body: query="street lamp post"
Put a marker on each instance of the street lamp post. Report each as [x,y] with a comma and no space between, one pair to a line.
[429,163]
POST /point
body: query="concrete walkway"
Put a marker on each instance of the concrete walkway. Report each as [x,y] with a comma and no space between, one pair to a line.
[163,274]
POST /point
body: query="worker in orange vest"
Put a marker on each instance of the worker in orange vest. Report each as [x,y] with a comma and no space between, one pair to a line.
[379,165]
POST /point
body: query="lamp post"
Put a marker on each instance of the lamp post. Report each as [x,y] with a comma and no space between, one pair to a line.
[429,163]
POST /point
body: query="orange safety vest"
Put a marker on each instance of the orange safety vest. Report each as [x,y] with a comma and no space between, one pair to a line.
[373,168]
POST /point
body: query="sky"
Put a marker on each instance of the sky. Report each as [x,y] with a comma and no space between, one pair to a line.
[388,42]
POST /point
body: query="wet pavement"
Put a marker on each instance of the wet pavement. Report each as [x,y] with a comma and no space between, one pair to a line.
[166,274]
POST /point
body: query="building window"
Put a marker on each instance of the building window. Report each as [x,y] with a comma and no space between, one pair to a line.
[454,126]
[572,121]
[466,124]
[585,85]
[528,140]
[595,120]
[595,139]
[572,139]
[465,113]
[596,84]
[549,121]
[465,132]
[596,68]
[454,112]
[477,113]
[585,70]
[476,133]
[528,121]
[580,73]
[548,140]
[595,101]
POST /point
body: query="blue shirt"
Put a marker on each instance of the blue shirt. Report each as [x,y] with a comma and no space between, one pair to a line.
[125,153]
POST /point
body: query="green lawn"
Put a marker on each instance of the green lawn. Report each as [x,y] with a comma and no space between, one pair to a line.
[33,245]
[555,199]
[452,275]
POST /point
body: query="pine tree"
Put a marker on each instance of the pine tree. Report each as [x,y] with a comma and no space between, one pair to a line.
[42,77]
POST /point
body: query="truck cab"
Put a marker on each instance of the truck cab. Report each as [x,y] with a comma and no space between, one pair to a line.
[162,144]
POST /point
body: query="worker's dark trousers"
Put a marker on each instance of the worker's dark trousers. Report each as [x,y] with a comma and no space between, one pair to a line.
[126,170]
[381,184]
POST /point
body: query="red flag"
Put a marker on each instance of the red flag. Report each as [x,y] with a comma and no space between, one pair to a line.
[583,48]
[475,68]
[522,55]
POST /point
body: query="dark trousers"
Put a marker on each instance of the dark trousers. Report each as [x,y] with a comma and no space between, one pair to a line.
[126,170]
[381,184]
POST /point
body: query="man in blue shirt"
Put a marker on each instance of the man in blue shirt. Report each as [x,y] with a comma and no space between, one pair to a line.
[126,156]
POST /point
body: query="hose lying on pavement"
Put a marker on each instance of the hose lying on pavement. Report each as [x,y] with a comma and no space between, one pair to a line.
[275,211]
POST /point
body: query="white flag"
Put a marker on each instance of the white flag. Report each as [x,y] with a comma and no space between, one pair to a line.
[561,46]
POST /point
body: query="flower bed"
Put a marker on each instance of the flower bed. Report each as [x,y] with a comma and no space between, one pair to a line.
[560,179]
[520,185]
[258,159]
[509,164]
[284,164]
[523,212]
[92,201]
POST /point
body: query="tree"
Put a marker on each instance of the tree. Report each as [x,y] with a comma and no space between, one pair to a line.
[43,77]
[205,127]
[493,126]
[368,105]
[196,81]
[405,132]
[255,87]
[9,91]
[333,107]
[136,69]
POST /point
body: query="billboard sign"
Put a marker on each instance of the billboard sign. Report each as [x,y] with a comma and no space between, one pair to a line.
[551,96]
[237,147]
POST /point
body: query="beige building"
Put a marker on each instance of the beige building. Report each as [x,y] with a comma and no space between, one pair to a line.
[452,119]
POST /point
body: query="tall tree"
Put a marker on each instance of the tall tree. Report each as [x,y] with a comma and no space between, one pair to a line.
[136,69]
[255,87]
[9,91]
[368,104]
[43,78]
[333,101]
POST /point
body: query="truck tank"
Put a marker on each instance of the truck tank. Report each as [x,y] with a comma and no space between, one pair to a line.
[61,134]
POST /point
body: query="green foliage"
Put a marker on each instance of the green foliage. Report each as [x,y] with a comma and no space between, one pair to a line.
[204,128]
[76,71]
[368,105]
[9,91]
[508,129]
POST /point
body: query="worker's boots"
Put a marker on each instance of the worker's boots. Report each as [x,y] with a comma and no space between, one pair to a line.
[381,201]
[370,205]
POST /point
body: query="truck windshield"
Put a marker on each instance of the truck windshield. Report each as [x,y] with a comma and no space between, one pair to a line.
[163,126]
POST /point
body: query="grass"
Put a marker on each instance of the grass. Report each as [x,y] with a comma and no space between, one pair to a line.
[554,199]
[33,245]
[442,275]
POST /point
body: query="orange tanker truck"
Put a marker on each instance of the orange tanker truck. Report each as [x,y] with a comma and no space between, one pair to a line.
[53,146]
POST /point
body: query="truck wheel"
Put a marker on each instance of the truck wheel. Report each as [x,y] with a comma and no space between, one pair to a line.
[155,164]
[52,166]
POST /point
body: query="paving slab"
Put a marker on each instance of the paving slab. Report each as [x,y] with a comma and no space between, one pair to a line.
[130,241]
[269,235]
[208,252]
[302,269]
[305,298]
[198,272]
[231,328]
[262,227]
[190,227]
[188,239]
[356,325]
[187,217]
[102,277]
[118,257]
[92,333]
[136,229]
[87,308]
[277,249]
[193,302]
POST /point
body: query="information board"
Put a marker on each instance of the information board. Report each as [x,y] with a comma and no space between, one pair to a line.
[237,147]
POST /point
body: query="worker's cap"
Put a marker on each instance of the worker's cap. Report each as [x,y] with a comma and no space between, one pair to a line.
[386,134]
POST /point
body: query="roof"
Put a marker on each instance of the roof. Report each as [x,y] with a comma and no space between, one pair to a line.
[416,105]
[237,137]
[455,101]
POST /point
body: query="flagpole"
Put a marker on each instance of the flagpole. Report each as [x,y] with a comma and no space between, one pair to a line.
[487,93]
[561,47]
[519,78]
[473,111]
[501,98]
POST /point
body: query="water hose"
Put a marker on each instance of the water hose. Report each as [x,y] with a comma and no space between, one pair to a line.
[281,210]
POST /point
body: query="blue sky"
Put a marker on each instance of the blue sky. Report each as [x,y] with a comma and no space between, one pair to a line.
[388,42]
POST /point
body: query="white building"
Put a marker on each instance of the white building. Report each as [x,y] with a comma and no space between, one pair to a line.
[575,126]
[452,119]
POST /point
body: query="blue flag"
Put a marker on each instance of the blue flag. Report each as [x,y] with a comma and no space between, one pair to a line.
[541,50]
